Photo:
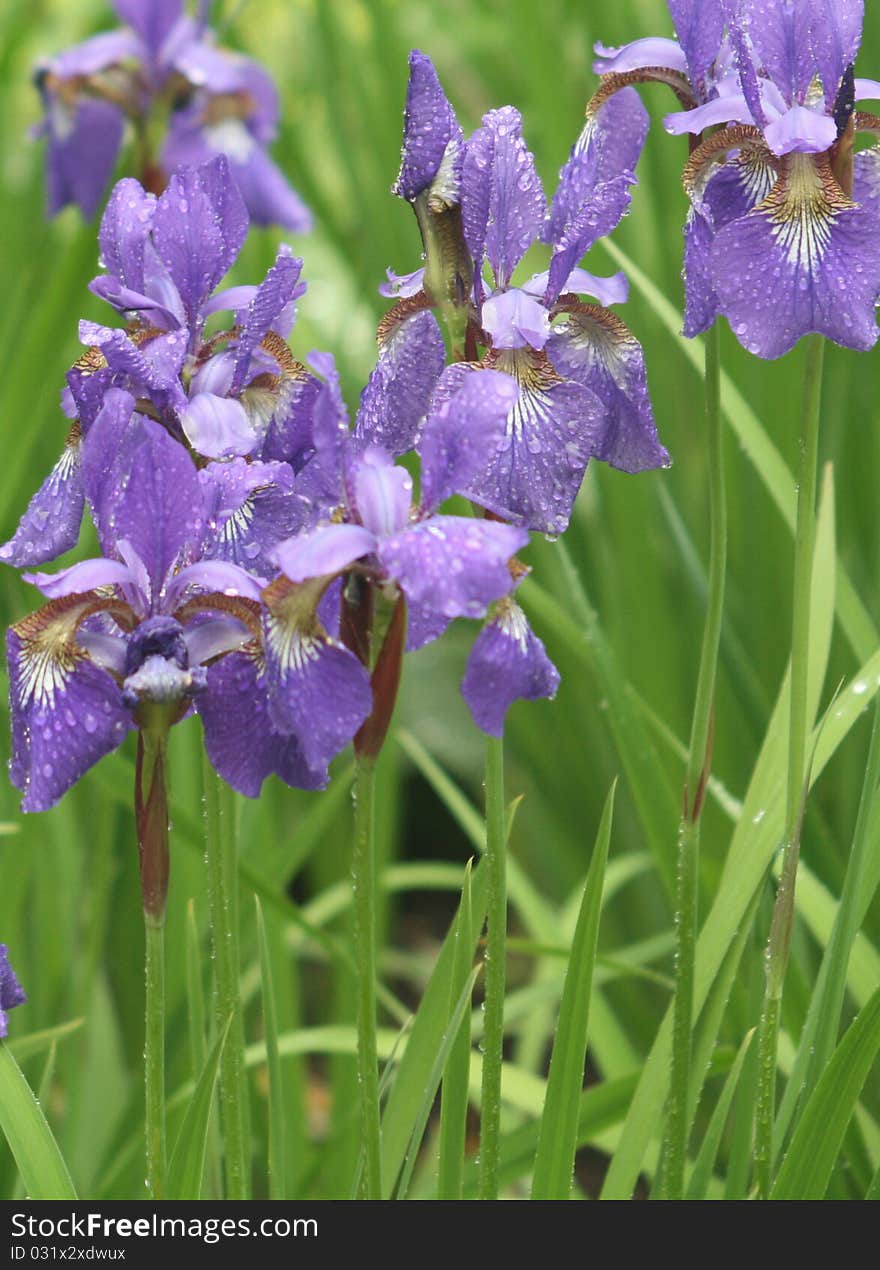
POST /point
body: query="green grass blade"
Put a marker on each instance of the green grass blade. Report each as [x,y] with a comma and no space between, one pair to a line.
[425,1038]
[195,994]
[557,1143]
[40,1162]
[187,1168]
[447,1044]
[698,1183]
[820,1029]
[808,1164]
[277,1135]
[600,1108]
[751,850]
[25,1047]
[454,1097]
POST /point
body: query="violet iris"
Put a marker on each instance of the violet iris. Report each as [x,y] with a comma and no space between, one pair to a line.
[162,63]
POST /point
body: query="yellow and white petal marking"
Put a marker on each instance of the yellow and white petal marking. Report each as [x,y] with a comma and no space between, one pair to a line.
[49,652]
[802,208]
[600,336]
[512,621]
[292,632]
[533,409]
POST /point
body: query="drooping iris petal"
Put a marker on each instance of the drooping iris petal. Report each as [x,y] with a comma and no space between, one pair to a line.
[66,713]
[382,492]
[463,430]
[217,426]
[554,427]
[83,142]
[125,227]
[324,551]
[732,191]
[11,991]
[199,226]
[252,508]
[160,510]
[430,130]
[594,348]
[507,663]
[50,526]
[503,203]
[452,566]
[805,260]
[318,690]
[280,287]
[398,392]
[241,741]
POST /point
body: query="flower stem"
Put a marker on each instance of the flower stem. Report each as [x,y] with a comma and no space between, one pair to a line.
[696,777]
[154,1054]
[496,957]
[222,870]
[364,878]
[776,955]
[151,819]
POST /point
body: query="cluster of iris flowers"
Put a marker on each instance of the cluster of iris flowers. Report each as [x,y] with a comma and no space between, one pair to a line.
[265,562]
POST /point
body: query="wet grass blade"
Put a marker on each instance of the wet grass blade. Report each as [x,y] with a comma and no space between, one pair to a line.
[809,1162]
[557,1143]
[187,1168]
[277,1135]
[700,1178]
[447,1044]
[40,1163]
[454,1097]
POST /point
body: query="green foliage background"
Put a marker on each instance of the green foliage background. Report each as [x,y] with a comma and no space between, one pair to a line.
[69,906]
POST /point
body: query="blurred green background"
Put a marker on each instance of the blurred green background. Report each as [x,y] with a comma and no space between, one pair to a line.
[68,888]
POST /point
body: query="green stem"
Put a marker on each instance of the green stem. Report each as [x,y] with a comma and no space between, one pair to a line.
[776,957]
[151,819]
[154,1054]
[496,957]
[696,778]
[364,879]
[222,871]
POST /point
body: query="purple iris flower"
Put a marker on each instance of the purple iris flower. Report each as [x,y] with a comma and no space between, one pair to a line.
[133,636]
[581,374]
[11,992]
[507,663]
[782,236]
[368,526]
[791,237]
[233,393]
[162,60]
